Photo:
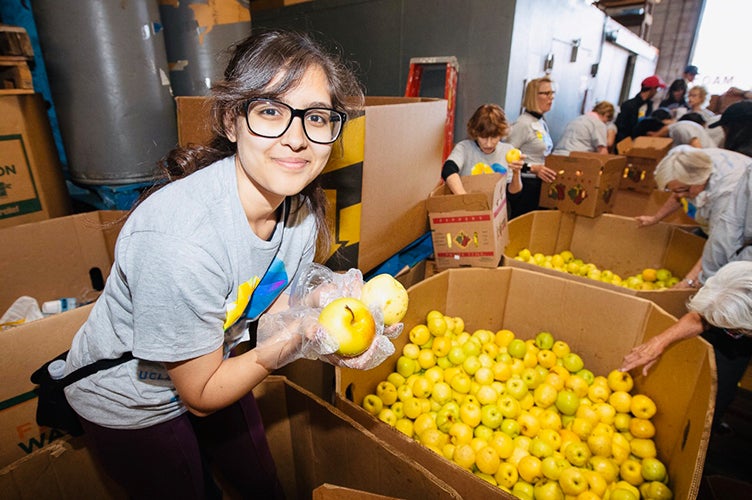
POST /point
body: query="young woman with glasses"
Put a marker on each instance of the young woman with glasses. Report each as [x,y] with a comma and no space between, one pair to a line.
[198,262]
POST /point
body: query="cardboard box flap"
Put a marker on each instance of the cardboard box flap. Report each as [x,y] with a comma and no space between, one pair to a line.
[323,445]
[62,257]
[479,196]
[333,492]
[649,147]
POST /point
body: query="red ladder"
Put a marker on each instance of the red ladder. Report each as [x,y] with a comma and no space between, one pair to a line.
[450,91]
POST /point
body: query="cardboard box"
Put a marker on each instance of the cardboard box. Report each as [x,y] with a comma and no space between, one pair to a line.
[312,443]
[32,187]
[585,183]
[63,257]
[25,348]
[333,492]
[610,242]
[633,203]
[378,184]
[599,324]
[469,229]
[643,155]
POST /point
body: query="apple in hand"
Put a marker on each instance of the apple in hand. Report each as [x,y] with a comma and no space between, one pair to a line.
[513,155]
[350,322]
[389,295]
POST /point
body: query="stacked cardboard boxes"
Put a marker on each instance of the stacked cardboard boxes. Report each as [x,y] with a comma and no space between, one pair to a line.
[643,155]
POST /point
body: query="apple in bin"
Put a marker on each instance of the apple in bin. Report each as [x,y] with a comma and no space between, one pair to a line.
[350,322]
[389,295]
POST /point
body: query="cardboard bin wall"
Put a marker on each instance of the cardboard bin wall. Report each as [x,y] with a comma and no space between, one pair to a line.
[32,187]
[469,230]
[600,325]
[63,257]
[585,183]
[634,203]
[610,242]
[377,178]
[312,442]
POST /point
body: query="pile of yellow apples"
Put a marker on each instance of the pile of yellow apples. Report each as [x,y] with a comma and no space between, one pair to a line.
[565,262]
[524,415]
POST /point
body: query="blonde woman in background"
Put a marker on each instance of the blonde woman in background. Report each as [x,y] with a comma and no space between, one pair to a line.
[531,136]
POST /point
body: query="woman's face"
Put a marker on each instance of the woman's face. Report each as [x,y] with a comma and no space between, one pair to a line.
[681,190]
[693,99]
[283,166]
[545,97]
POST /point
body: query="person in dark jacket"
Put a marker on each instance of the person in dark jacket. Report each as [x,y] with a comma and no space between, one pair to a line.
[638,107]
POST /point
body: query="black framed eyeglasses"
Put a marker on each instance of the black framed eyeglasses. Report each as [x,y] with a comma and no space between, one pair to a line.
[271,118]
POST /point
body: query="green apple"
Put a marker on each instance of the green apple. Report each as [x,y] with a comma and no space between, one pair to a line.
[544,340]
[548,490]
[441,392]
[600,444]
[621,493]
[516,387]
[412,407]
[461,383]
[523,490]
[456,355]
[405,426]
[447,415]
[471,364]
[508,406]
[560,348]
[545,395]
[491,416]
[567,402]
[573,481]
[529,424]
[388,416]
[406,366]
[388,294]
[653,469]
[553,465]
[517,348]
[373,404]
[532,378]
[577,453]
[540,448]
[510,427]
[655,490]
[587,375]
[573,362]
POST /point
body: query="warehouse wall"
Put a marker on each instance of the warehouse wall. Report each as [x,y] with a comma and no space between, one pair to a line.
[382,36]
[500,44]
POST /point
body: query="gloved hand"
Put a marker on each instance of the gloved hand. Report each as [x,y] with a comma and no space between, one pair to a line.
[318,285]
[289,335]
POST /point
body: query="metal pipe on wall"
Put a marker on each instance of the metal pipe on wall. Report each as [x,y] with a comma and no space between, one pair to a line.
[107,67]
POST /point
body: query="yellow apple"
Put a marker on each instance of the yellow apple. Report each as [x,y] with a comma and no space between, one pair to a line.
[350,322]
[513,155]
[389,295]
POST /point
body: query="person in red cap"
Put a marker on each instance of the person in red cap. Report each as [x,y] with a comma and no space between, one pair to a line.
[640,106]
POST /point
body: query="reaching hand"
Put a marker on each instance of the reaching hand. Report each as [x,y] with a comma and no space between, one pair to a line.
[645,220]
[544,173]
[646,354]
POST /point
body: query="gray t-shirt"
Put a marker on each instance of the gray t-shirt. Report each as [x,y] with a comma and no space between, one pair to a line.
[466,154]
[683,131]
[585,133]
[186,265]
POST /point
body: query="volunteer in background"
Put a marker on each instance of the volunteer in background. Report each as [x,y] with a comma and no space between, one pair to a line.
[675,100]
[696,98]
[721,312]
[483,152]
[531,136]
[634,109]
[588,132]
[689,129]
[198,261]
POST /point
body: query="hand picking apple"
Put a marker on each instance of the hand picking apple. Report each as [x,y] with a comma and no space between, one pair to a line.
[317,286]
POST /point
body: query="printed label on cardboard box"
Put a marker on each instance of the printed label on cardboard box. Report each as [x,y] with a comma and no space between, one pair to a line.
[18,191]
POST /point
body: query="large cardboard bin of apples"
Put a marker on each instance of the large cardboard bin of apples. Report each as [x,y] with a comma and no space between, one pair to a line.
[599,325]
[612,243]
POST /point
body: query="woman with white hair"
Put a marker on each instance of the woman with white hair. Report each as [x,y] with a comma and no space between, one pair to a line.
[721,312]
[710,185]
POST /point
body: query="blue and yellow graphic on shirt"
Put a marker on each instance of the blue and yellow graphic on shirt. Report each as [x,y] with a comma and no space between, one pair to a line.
[257,294]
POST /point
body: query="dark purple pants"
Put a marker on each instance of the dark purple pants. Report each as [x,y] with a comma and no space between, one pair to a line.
[176,459]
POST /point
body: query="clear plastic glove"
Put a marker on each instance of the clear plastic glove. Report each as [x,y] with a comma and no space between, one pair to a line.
[290,335]
[381,348]
[318,285]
